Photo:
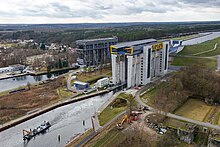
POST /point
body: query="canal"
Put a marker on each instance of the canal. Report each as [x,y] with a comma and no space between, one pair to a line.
[11,83]
[210,36]
[66,121]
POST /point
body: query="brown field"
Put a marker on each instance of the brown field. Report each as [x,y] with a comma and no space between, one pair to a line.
[194,109]
[199,110]
[18,104]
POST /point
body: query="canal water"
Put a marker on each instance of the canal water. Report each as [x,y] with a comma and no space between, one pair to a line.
[210,36]
[67,121]
[11,83]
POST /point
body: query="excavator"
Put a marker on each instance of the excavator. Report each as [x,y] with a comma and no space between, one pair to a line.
[120,125]
[134,116]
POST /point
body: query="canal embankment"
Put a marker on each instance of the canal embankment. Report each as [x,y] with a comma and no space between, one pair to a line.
[56,105]
[49,108]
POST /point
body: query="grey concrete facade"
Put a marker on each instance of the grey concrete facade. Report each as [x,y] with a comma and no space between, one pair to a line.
[138,62]
[94,51]
[218,63]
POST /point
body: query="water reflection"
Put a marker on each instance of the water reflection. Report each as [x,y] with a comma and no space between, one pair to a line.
[49,75]
[38,78]
[21,78]
[15,82]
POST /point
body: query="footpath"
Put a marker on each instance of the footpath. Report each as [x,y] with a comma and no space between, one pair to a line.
[215,47]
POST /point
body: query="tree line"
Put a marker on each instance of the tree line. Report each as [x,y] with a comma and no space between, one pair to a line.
[126,33]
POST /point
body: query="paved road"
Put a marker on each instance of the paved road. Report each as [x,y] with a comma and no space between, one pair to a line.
[205,124]
[137,96]
[69,86]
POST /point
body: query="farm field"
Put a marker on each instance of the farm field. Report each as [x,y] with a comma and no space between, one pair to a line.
[194,109]
[200,111]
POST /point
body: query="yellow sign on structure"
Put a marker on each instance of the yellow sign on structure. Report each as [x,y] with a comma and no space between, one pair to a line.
[113,50]
[129,51]
[158,46]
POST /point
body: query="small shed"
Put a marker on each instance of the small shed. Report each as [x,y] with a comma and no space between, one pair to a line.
[81,85]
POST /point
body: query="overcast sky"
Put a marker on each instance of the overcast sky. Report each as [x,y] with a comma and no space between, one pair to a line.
[79,11]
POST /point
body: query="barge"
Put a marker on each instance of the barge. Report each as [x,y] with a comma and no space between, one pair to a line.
[27,135]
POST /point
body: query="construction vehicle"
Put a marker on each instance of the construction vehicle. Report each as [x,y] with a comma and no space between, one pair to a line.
[134,116]
[120,125]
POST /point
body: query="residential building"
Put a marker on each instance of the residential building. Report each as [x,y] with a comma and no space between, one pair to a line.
[94,51]
[138,62]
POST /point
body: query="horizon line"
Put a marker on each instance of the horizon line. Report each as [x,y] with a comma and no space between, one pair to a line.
[197,21]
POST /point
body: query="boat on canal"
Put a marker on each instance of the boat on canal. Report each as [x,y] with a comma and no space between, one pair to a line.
[27,135]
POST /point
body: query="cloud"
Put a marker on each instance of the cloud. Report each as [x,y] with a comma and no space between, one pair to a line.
[107,10]
[203,3]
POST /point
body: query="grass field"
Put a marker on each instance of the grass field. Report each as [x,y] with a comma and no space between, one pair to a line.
[92,77]
[217,121]
[194,109]
[197,110]
[150,93]
[113,137]
[170,122]
[186,61]
[193,49]
[122,95]
[77,140]
[109,113]
[63,93]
